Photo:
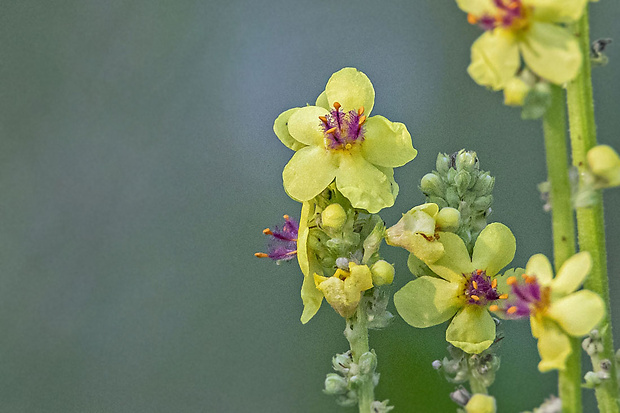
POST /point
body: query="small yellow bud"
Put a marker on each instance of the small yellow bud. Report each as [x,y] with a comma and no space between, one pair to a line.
[382,273]
[605,163]
[333,217]
[515,92]
[481,403]
[448,219]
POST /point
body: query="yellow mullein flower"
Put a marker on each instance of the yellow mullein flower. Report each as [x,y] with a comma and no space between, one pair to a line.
[415,231]
[343,290]
[555,308]
[525,29]
[338,140]
[465,288]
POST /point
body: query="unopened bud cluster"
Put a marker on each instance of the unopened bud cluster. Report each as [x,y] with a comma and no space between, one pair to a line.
[461,366]
[350,376]
[459,183]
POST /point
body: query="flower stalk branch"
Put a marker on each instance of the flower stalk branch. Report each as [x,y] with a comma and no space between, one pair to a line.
[554,126]
[590,220]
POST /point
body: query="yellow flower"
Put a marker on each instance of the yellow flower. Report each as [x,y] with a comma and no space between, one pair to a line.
[343,290]
[415,231]
[464,291]
[555,308]
[336,140]
[525,29]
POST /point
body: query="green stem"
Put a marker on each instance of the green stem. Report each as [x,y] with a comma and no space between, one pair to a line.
[590,221]
[356,333]
[477,386]
[554,126]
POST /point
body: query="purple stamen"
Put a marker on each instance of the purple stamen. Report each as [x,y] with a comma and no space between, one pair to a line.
[283,243]
[527,297]
[342,129]
[480,289]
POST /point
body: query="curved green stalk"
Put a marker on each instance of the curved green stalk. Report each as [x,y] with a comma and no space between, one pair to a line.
[356,333]
[554,126]
[590,221]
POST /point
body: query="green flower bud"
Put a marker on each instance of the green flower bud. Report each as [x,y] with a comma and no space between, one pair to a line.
[382,273]
[333,217]
[368,363]
[450,176]
[448,219]
[483,203]
[441,203]
[335,384]
[466,161]
[443,163]
[484,184]
[432,184]
[462,181]
[481,403]
[452,197]
[592,379]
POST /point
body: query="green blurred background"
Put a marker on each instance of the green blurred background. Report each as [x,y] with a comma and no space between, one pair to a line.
[138,167]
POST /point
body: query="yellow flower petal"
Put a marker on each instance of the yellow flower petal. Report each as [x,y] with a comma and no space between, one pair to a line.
[539,266]
[310,295]
[551,51]
[308,172]
[344,296]
[415,232]
[559,11]
[427,301]
[572,273]
[553,347]
[321,101]
[578,313]
[363,184]
[387,143]
[481,403]
[455,261]
[476,7]
[305,126]
[280,127]
[352,89]
[494,249]
[494,59]
[472,329]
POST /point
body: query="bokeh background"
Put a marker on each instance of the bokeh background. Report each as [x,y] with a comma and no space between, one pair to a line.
[138,167]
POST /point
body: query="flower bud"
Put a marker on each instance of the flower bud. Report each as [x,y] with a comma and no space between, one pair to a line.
[443,163]
[460,396]
[431,184]
[452,197]
[448,219]
[605,163]
[466,161]
[484,184]
[481,403]
[462,180]
[483,203]
[335,384]
[382,273]
[333,217]
[368,362]
[515,92]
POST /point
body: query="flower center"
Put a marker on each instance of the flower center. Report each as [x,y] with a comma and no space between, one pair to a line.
[528,297]
[480,289]
[343,130]
[509,14]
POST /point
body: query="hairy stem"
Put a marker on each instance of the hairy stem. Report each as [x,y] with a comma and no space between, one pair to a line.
[554,126]
[356,333]
[590,221]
